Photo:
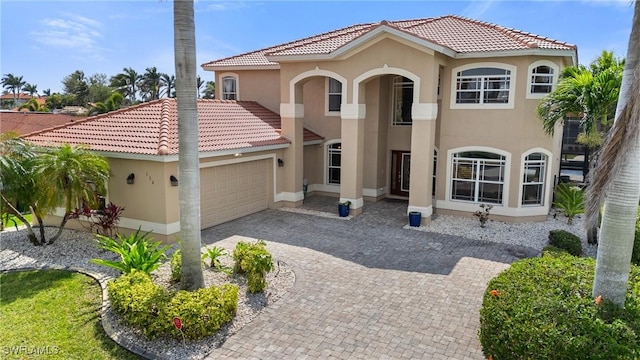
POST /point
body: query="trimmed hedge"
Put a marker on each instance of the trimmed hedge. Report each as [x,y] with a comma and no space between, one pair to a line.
[567,241]
[253,260]
[542,308]
[151,309]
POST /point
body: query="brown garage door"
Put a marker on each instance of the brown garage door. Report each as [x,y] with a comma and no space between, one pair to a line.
[232,191]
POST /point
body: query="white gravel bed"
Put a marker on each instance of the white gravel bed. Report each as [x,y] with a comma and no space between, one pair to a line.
[529,234]
[74,249]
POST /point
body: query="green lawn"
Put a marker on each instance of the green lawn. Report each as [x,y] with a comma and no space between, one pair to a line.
[9,222]
[53,314]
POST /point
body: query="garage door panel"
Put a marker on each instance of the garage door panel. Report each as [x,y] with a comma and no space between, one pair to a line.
[232,191]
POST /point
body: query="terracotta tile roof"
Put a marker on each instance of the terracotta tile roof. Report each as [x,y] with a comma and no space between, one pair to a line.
[460,35]
[25,122]
[152,128]
[20,96]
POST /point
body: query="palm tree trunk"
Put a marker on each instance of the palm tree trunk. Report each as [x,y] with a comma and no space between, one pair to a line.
[32,236]
[63,222]
[189,171]
[621,204]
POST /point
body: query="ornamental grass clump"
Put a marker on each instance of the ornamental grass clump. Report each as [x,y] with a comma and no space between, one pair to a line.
[543,308]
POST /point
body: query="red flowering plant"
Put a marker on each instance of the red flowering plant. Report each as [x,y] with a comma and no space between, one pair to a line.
[103,222]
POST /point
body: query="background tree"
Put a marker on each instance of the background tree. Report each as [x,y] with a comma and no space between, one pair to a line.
[46,92]
[189,172]
[58,101]
[30,89]
[615,180]
[126,83]
[111,104]
[76,84]
[209,90]
[34,105]
[14,84]
[168,86]
[150,84]
[200,84]
[99,91]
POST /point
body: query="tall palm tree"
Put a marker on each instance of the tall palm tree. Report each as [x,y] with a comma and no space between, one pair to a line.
[46,92]
[616,179]
[200,85]
[127,82]
[30,89]
[74,175]
[14,84]
[588,92]
[168,84]
[189,172]
[150,84]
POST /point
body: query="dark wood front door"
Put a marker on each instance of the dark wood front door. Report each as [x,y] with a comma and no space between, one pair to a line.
[400,165]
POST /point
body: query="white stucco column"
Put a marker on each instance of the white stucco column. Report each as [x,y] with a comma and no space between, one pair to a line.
[292,116]
[352,160]
[423,132]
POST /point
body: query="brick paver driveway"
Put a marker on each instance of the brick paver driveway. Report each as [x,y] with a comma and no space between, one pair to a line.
[367,288]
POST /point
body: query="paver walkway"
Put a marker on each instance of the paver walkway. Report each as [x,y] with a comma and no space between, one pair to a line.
[366,288]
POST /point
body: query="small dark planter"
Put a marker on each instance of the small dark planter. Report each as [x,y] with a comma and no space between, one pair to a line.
[415,217]
[343,210]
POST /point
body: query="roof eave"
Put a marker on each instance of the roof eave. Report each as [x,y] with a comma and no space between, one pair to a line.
[240,67]
[526,52]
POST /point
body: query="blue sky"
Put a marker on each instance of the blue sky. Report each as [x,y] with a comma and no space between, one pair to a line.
[44,41]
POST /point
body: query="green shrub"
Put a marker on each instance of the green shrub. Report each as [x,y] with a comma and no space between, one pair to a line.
[151,309]
[570,199]
[214,254]
[542,308]
[176,265]
[255,261]
[567,241]
[136,251]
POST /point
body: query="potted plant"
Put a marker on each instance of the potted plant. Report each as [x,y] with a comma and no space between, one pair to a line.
[343,208]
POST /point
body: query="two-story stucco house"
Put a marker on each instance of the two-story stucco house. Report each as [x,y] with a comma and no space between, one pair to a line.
[441,111]
[438,111]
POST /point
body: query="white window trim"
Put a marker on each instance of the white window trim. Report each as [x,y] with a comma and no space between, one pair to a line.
[548,190]
[554,80]
[506,180]
[512,86]
[325,155]
[231,75]
[326,97]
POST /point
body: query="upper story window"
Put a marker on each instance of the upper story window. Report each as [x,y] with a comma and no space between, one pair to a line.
[334,95]
[483,86]
[229,88]
[543,75]
[402,100]
[478,176]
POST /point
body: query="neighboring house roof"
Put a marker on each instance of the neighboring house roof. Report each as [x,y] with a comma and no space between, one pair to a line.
[457,36]
[42,100]
[19,96]
[25,122]
[151,128]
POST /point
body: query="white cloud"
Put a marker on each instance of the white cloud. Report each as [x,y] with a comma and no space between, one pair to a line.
[224,6]
[476,9]
[70,31]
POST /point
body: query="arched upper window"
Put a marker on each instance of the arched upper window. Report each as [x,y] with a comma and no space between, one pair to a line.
[542,78]
[334,95]
[229,88]
[478,176]
[533,181]
[484,85]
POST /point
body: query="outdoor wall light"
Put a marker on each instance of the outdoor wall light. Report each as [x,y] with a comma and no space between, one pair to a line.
[130,178]
[174,180]
[280,162]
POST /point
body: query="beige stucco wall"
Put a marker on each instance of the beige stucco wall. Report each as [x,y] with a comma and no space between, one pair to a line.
[262,86]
